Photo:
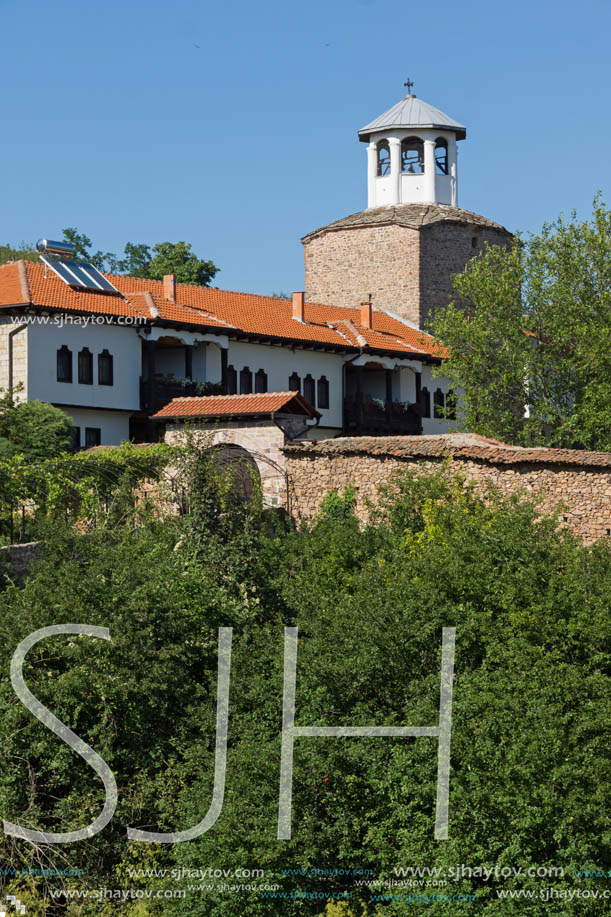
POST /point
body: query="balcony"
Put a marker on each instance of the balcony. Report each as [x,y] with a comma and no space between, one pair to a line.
[160,391]
[369,416]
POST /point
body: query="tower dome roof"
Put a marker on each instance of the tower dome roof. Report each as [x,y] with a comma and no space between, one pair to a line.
[411,111]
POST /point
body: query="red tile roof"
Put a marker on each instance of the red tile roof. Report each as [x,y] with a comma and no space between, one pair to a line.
[220,310]
[231,405]
[456,446]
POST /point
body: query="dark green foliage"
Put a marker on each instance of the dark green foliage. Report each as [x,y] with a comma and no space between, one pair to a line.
[139,261]
[34,429]
[531,779]
[532,326]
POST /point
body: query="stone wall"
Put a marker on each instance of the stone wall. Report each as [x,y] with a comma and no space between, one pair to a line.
[17,342]
[445,249]
[407,270]
[263,440]
[342,267]
[15,559]
[584,489]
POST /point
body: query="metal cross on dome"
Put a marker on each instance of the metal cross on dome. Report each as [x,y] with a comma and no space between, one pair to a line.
[409,85]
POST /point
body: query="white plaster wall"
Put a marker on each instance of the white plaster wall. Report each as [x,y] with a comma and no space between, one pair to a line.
[412,188]
[280,362]
[124,345]
[113,424]
[212,365]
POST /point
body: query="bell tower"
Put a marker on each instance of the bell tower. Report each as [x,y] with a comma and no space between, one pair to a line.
[412,155]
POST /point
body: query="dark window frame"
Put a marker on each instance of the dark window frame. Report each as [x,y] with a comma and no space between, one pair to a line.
[232,380]
[295,382]
[97,431]
[64,364]
[439,402]
[311,383]
[323,393]
[85,366]
[245,381]
[106,368]
[260,382]
[425,401]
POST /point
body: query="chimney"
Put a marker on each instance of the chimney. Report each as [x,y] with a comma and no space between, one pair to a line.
[169,287]
[299,307]
[367,313]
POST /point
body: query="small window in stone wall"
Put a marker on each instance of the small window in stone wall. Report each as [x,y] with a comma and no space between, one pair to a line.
[245,381]
[294,383]
[260,381]
[85,367]
[425,401]
[64,364]
[439,402]
[232,381]
[473,241]
[309,390]
[323,392]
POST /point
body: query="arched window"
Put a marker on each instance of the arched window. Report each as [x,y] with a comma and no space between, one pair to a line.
[294,383]
[245,381]
[412,155]
[438,402]
[451,405]
[260,381]
[383,158]
[441,156]
[323,392]
[64,364]
[232,381]
[425,401]
[85,367]
[309,390]
[105,370]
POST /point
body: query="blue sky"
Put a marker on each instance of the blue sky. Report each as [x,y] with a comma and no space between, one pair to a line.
[233,125]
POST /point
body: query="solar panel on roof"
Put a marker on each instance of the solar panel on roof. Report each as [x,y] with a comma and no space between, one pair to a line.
[80,275]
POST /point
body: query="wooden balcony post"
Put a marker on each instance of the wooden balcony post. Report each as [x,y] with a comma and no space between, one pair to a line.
[188,361]
[150,378]
[388,405]
[359,397]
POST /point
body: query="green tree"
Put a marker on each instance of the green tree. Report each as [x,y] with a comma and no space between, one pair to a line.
[139,261]
[532,327]
[34,429]
[24,252]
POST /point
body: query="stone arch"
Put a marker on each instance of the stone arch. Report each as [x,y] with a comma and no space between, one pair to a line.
[235,461]
[263,446]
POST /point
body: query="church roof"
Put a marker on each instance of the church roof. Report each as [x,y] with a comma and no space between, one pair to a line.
[411,111]
[413,216]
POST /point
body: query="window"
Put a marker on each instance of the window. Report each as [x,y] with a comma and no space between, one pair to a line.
[323,392]
[75,445]
[383,158]
[294,383]
[105,370]
[64,364]
[451,405]
[441,156]
[309,389]
[473,241]
[85,367]
[245,381]
[93,437]
[232,381]
[438,402]
[412,155]
[425,401]
[260,381]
